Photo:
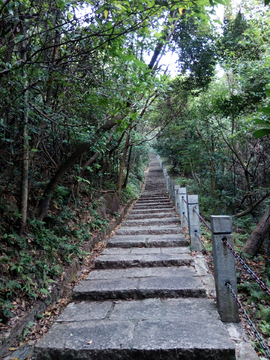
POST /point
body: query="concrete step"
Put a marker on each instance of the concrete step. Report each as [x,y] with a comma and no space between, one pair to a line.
[150,203]
[155,205]
[155,229]
[143,257]
[151,222]
[140,283]
[164,215]
[167,240]
[153,197]
[152,210]
[157,200]
[150,329]
[145,251]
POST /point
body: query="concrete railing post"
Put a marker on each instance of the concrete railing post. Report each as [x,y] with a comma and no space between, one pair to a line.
[224,268]
[164,171]
[172,190]
[194,223]
[182,193]
[176,198]
[167,178]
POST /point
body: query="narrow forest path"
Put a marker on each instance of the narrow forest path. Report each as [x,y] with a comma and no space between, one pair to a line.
[144,300]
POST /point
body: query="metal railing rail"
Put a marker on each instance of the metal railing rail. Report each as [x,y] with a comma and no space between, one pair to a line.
[247,268]
[249,321]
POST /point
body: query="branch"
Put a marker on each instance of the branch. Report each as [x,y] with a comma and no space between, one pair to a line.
[252,207]
[49,156]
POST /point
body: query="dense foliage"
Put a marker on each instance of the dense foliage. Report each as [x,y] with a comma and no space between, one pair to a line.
[210,138]
[217,141]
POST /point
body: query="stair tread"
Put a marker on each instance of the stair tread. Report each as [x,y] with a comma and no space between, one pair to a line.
[146,329]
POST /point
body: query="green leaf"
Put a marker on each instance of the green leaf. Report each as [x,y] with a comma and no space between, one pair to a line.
[265,110]
[260,121]
[260,133]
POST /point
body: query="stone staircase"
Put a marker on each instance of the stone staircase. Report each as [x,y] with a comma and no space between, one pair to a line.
[144,300]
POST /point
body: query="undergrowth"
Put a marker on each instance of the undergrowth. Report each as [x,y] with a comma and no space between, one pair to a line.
[31,263]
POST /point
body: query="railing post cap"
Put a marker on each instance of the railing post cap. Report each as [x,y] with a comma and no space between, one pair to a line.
[192,199]
[221,224]
[182,190]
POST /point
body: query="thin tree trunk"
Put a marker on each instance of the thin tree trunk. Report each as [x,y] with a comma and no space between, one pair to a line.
[25,149]
[212,170]
[122,166]
[53,60]
[258,235]
[128,167]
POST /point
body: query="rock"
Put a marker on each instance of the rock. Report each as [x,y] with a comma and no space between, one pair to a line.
[109,204]
[112,203]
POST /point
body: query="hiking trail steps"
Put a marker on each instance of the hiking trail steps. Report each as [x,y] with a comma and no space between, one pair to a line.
[145,298]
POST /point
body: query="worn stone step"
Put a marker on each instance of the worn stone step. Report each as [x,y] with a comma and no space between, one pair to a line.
[155,205]
[150,329]
[164,215]
[166,240]
[150,203]
[157,200]
[151,222]
[152,210]
[157,192]
[153,197]
[140,283]
[145,251]
[136,230]
[145,258]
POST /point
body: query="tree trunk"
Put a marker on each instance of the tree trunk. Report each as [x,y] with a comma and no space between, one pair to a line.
[128,167]
[44,203]
[25,148]
[258,235]
[122,166]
